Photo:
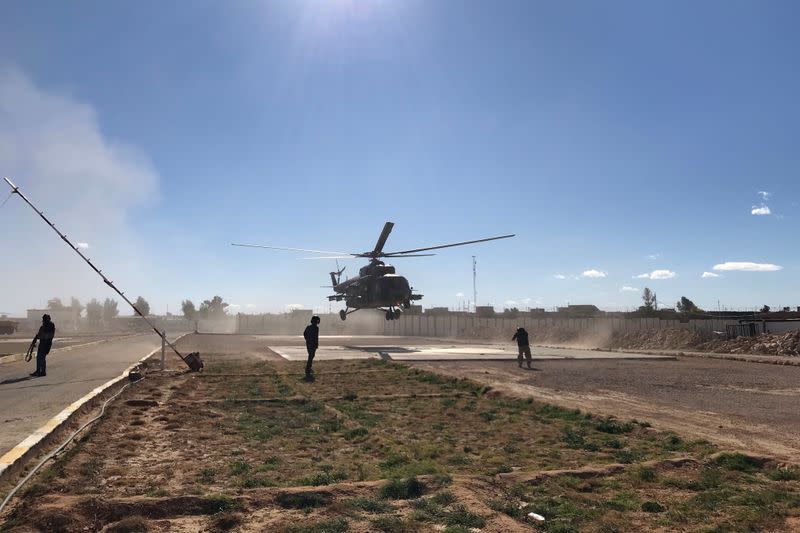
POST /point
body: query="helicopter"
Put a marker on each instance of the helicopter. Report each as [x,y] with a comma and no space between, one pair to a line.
[377,286]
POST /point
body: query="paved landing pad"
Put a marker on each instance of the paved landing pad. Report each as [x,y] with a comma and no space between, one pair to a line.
[454,352]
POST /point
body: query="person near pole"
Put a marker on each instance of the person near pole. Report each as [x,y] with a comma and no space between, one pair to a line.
[521,336]
[45,336]
[311,335]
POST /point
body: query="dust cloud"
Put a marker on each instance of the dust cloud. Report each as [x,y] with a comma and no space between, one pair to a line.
[52,147]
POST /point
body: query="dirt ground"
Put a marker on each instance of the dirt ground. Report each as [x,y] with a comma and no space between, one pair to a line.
[249,445]
[747,406]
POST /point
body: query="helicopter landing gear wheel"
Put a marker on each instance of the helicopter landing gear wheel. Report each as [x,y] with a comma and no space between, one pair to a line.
[343,314]
[397,313]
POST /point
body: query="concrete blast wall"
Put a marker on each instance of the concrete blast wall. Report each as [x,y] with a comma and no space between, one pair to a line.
[464,326]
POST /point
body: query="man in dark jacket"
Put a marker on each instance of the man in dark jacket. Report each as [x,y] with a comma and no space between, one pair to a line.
[45,337]
[311,335]
[521,336]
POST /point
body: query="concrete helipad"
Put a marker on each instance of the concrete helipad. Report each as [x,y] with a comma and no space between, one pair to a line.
[449,352]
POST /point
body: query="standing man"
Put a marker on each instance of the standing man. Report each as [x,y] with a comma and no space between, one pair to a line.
[45,337]
[311,335]
[521,336]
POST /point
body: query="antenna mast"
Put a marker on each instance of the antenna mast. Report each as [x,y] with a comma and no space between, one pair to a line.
[474,285]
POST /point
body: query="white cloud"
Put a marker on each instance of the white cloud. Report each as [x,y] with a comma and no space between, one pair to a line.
[760,210]
[82,245]
[251,306]
[52,146]
[593,274]
[657,274]
[559,276]
[707,275]
[764,195]
[511,303]
[629,289]
[233,307]
[459,295]
[293,307]
[747,266]
[662,274]
[654,256]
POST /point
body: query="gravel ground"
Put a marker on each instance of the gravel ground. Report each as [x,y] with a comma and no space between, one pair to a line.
[750,406]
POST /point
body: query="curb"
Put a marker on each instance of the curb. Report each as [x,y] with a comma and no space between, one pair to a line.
[18,452]
[16,357]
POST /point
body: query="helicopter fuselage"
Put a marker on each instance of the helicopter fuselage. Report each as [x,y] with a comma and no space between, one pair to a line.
[376,286]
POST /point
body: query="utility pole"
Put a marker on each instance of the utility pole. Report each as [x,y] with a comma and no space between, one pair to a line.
[474,285]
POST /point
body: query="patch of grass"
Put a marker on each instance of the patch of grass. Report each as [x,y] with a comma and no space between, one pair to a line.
[623,501]
[573,439]
[460,516]
[626,457]
[371,505]
[402,489]
[443,498]
[239,467]
[739,462]
[333,525]
[393,460]
[219,504]
[507,507]
[159,492]
[91,467]
[653,507]
[323,478]
[488,416]
[427,510]
[783,474]
[352,434]
[459,460]
[553,412]
[673,443]
[302,500]
[646,474]
[613,426]
[252,482]
[392,524]
[500,469]
[206,476]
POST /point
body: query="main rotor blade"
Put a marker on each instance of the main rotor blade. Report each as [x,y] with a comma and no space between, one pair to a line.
[333,257]
[294,249]
[409,255]
[394,254]
[387,229]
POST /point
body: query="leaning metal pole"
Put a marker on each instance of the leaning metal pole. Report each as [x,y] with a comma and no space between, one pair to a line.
[192,360]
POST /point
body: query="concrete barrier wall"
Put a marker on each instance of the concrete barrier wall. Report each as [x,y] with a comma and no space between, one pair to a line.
[457,326]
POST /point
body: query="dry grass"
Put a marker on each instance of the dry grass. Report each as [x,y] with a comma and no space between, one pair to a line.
[372,446]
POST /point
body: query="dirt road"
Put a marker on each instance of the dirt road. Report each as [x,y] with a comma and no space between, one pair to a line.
[749,406]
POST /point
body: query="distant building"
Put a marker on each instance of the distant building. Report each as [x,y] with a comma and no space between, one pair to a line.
[580,311]
[414,310]
[437,311]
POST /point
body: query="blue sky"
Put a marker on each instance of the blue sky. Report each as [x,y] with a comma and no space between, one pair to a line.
[615,138]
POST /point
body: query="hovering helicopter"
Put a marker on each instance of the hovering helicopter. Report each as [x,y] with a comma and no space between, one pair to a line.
[377,285]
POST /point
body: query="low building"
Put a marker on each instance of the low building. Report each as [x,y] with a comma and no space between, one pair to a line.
[580,311]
